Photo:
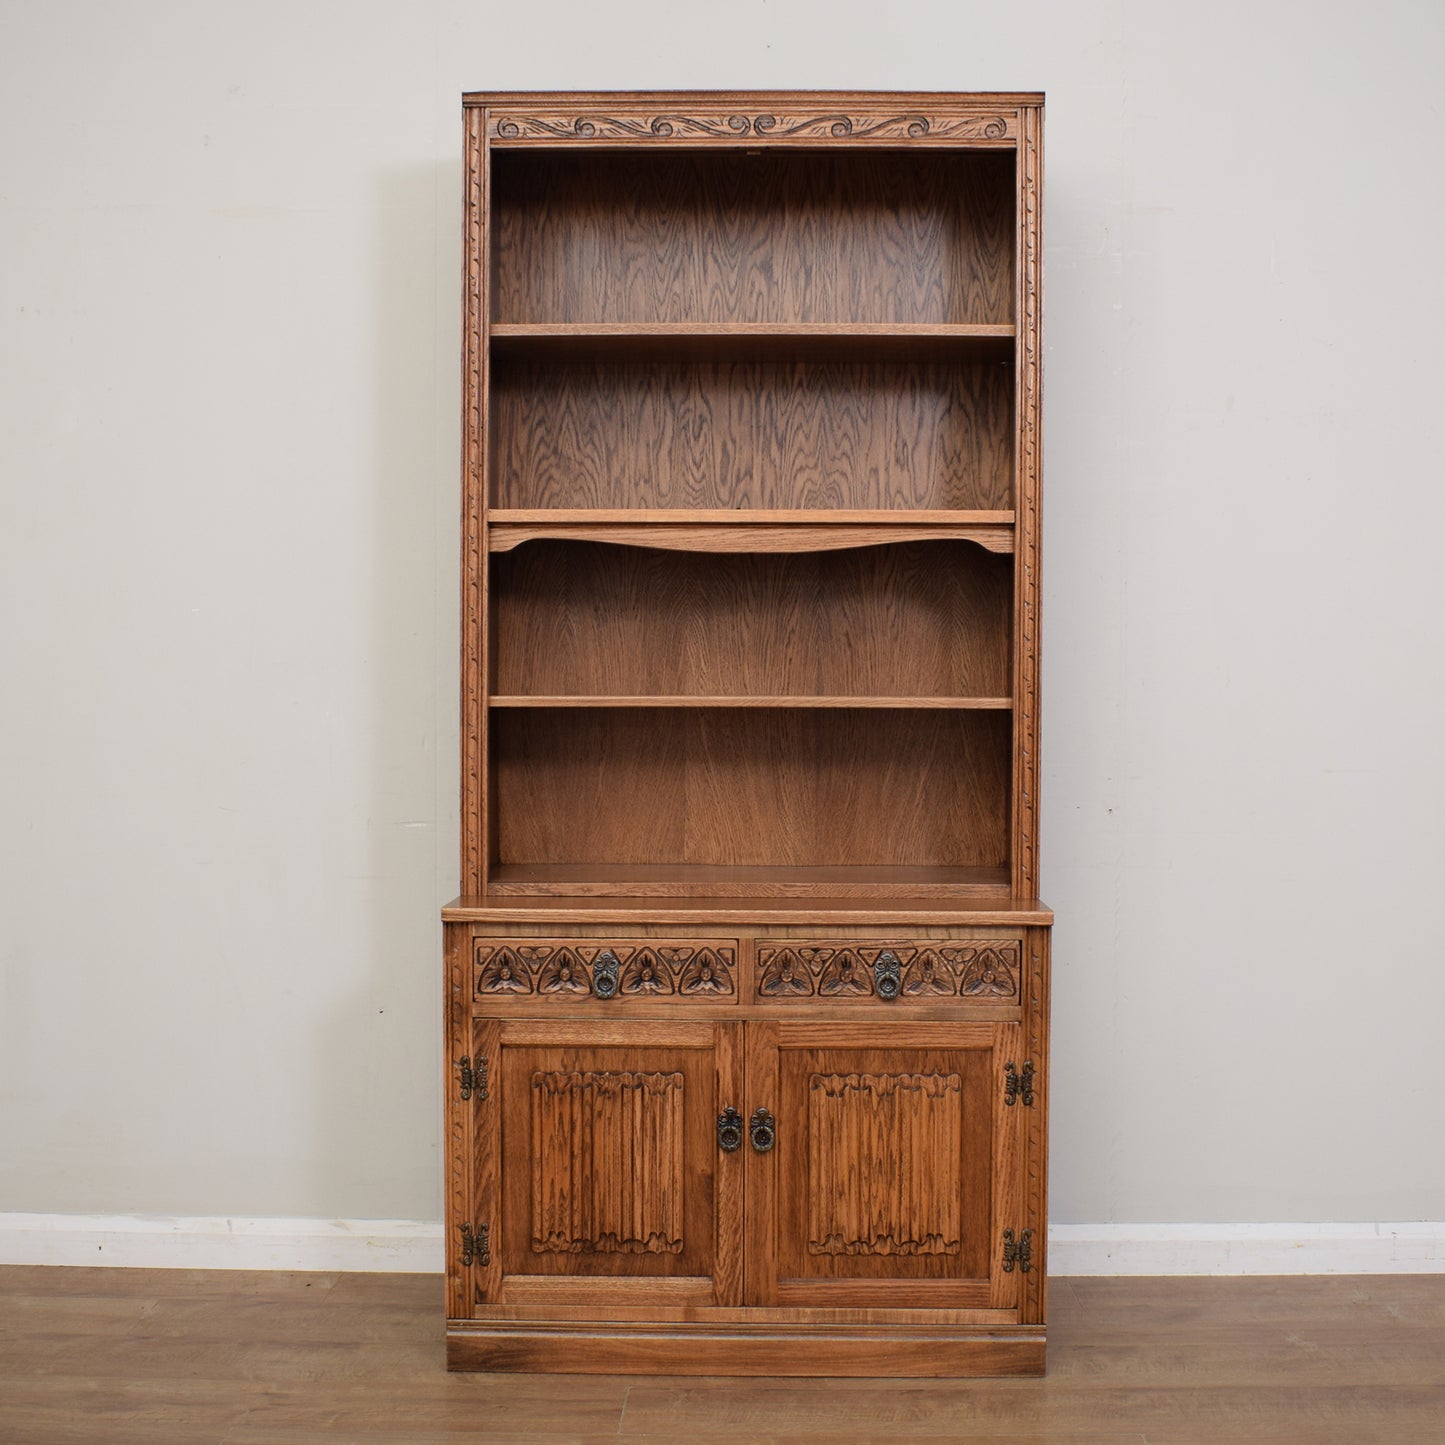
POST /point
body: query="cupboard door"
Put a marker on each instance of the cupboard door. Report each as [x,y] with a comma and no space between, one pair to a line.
[598,1170]
[893,1168]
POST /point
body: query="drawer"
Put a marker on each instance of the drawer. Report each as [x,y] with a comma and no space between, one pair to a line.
[881,970]
[608,972]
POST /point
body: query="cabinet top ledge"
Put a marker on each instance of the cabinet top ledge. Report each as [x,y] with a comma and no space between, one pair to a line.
[739,912]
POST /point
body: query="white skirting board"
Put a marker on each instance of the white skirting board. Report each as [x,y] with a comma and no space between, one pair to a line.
[1398,1248]
[164,1241]
[415,1246]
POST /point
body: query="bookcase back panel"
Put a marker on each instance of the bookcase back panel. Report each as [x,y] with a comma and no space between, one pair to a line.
[735,786]
[914,619]
[874,236]
[802,434]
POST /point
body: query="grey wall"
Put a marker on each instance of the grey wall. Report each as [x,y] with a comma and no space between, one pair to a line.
[229,245]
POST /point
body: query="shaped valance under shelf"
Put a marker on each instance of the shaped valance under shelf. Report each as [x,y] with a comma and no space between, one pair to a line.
[752,531]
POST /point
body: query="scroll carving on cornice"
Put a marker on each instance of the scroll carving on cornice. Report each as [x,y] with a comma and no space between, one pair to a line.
[546,127]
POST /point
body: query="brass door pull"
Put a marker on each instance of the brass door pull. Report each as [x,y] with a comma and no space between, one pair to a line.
[730,1130]
[604,974]
[762,1132]
[887,976]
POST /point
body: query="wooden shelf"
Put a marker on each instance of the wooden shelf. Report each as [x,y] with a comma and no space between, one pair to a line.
[754,340]
[645,880]
[752,531]
[838,701]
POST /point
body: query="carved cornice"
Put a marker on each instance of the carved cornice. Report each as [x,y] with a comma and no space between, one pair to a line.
[752,127]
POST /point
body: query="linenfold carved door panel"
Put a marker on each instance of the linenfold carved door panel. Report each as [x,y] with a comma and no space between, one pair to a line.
[598,1176]
[894,1168]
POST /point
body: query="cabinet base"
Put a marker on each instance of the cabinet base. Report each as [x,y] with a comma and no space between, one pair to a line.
[734,1349]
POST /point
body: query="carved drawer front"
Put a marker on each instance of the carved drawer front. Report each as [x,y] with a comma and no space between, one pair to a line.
[882,971]
[605,972]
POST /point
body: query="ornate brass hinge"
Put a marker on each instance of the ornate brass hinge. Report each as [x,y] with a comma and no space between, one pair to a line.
[476,1247]
[1018,1085]
[474,1080]
[1018,1251]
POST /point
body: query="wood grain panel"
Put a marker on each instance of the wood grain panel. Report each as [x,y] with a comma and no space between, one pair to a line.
[538,1296]
[867,1136]
[606,1150]
[763,1175]
[725,237]
[795,787]
[740,1350]
[751,892]
[911,619]
[801,435]
[928,1222]
[606,1160]
[882,1174]
[729,1081]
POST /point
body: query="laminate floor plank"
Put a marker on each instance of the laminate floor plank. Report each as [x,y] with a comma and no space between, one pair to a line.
[1048,1437]
[151,1356]
[411,1437]
[323,1408]
[1293,1435]
[157,1357]
[1237,1364]
[233,1283]
[1265,1299]
[1304,1413]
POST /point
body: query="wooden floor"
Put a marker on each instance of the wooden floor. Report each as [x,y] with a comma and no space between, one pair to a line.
[152,1357]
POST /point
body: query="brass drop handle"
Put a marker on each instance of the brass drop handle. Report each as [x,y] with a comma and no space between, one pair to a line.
[762,1132]
[730,1130]
[604,974]
[887,976]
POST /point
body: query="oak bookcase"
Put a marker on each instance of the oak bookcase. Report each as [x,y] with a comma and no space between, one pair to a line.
[747,988]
